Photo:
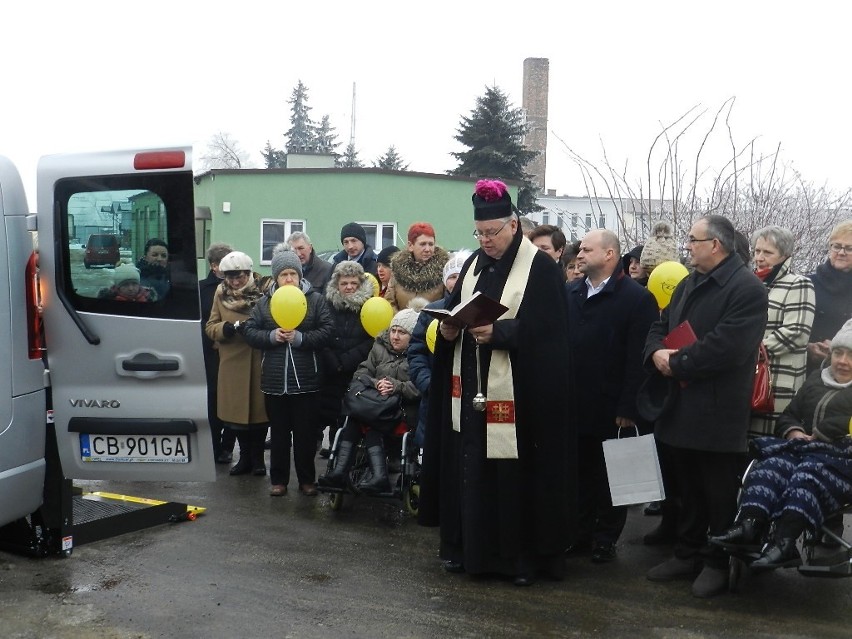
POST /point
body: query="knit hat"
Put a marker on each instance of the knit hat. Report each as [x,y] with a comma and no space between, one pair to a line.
[285,260]
[455,263]
[406,319]
[236,261]
[384,255]
[491,200]
[124,273]
[635,254]
[353,229]
[660,247]
[843,339]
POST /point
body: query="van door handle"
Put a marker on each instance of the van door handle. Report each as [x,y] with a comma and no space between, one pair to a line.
[149,362]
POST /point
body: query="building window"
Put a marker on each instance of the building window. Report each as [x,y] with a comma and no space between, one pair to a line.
[545,217]
[273,232]
[588,221]
[379,234]
[602,221]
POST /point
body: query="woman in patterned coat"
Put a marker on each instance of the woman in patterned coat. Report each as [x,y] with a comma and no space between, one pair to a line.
[791,312]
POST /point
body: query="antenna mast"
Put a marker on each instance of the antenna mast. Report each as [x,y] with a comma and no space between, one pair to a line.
[352,123]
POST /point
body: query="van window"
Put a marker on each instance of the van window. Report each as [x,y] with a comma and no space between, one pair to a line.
[128,245]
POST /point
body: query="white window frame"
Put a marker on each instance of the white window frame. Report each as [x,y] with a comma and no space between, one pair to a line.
[288,229]
[380,226]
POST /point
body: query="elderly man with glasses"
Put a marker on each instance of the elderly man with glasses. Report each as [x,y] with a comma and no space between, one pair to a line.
[833,286]
[702,405]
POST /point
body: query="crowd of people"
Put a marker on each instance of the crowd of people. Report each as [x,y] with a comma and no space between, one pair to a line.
[513,471]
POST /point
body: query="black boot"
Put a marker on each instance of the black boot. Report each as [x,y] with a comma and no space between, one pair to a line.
[342,465]
[258,464]
[748,532]
[244,465]
[780,554]
[379,482]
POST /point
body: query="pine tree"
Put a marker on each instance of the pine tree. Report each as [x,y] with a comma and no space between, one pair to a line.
[349,159]
[494,134]
[301,137]
[326,138]
[274,158]
[391,160]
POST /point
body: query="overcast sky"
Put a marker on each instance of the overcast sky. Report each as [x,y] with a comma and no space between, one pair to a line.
[112,74]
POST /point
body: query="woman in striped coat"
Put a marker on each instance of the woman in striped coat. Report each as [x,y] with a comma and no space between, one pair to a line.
[791,314]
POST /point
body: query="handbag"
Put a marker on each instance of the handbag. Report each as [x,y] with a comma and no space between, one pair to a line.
[633,469]
[365,403]
[762,399]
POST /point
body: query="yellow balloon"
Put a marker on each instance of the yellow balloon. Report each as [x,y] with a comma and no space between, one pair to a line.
[374,282]
[376,315]
[432,335]
[664,279]
[288,307]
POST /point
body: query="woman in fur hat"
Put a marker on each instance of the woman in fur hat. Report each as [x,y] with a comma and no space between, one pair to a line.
[418,269]
[346,293]
[660,247]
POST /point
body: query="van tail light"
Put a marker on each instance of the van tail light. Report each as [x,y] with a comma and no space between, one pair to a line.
[35,330]
[151,160]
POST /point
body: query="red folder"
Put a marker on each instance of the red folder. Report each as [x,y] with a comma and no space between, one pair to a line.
[680,336]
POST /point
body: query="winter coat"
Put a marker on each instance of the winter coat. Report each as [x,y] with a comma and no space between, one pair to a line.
[239,396]
[384,362]
[412,279]
[368,260]
[833,291]
[819,410]
[289,369]
[347,347]
[788,326]
[607,335]
[317,272]
[207,291]
[708,407]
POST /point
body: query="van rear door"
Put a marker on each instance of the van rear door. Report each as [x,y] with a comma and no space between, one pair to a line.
[124,341]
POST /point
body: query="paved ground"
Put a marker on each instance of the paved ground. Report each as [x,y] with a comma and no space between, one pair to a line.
[254,566]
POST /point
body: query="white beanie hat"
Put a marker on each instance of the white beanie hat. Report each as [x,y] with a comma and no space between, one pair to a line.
[124,273]
[843,339]
[455,263]
[235,261]
[406,319]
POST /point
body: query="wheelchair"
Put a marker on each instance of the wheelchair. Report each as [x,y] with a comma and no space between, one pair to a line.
[824,552]
[403,469]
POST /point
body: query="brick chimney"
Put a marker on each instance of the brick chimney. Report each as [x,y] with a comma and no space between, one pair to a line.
[536,81]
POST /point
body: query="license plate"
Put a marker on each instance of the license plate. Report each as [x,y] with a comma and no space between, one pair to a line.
[162,449]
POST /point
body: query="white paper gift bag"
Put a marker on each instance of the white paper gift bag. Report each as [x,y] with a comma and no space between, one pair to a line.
[633,468]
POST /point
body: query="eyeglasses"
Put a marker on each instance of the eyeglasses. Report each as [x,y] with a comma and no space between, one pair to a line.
[489,234]
[840,248]
[692,240]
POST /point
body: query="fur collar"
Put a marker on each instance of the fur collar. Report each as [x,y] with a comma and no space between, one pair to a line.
[419,278]
[352,303]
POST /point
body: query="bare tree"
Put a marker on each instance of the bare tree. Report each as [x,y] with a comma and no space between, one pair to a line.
[751,187]
[223,152]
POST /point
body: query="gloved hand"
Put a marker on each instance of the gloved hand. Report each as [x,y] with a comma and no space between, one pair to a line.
[228,329]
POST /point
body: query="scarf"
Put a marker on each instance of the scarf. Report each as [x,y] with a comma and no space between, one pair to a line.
[240,300]
[501,441]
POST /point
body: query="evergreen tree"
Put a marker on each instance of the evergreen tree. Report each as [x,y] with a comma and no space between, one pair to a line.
[274,158]
[301,137]
[391,160]
[494,134]
[326,138]
[349,159]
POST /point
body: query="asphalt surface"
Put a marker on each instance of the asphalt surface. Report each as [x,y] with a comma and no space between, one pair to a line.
[257,566]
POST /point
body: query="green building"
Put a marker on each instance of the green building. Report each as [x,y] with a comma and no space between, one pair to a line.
[255,209]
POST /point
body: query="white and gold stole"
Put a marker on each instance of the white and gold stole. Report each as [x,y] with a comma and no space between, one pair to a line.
[501,438]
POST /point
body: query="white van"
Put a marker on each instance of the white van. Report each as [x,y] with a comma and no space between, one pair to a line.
[123,374]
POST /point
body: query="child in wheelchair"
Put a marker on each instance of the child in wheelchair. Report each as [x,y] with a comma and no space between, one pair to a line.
[386,368]
[803,476]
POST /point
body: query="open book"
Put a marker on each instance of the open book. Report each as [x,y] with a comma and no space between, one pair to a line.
[479,310]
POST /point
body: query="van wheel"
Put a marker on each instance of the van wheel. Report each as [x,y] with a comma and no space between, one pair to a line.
[86,264]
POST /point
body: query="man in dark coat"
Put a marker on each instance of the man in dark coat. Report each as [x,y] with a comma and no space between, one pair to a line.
[315,270]
[705,414]
[353,237]
[609,315]
[500,481]
[223,438]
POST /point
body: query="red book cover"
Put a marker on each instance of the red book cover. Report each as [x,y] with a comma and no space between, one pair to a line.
[680,336]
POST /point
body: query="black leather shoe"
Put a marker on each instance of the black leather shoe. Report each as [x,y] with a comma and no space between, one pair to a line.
[780,554]
[259,470]
[603,553]
[748,532]
[225,458]
[240,468]
[454,566]
[324,453]
[524,579]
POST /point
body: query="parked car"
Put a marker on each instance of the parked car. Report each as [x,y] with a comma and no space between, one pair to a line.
[101,250]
